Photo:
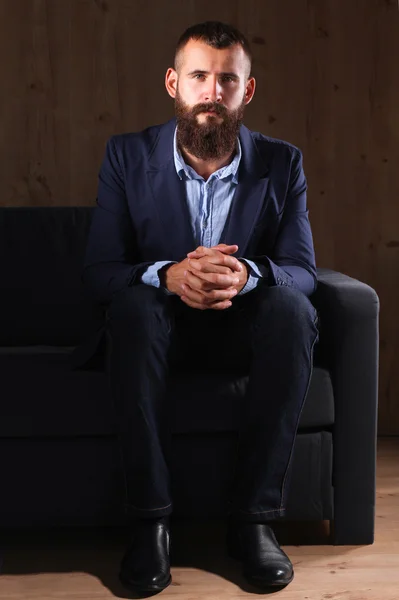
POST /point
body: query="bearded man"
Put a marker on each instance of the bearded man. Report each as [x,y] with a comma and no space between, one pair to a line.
[201,249]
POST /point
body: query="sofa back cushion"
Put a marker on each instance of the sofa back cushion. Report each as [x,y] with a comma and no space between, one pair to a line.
[42,299]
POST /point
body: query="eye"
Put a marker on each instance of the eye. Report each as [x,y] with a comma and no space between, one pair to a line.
[228,79]
[197,75]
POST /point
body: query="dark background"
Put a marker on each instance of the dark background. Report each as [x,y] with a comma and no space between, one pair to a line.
[74,72]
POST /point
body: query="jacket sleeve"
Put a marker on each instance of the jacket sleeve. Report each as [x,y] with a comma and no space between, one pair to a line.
[112,259]
[292,262]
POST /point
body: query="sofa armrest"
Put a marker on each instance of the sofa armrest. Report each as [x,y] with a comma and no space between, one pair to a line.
[349,330]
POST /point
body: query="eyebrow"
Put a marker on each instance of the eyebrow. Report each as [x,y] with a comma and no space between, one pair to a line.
[224,74]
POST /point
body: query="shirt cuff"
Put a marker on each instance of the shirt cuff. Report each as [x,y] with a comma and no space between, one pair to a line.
[151,275]
[254,276]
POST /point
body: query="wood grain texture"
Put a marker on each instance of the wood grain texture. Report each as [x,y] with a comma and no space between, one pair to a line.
[74,73]
[83,564]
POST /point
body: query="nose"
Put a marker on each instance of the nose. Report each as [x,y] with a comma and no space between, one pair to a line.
[213,92]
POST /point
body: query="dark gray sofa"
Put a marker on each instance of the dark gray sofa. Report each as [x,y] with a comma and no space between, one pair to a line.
[59,453]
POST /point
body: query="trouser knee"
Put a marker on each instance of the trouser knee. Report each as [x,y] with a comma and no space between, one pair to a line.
[287,307]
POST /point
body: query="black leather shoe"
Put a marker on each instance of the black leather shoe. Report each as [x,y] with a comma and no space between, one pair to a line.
[146,564]
[264,563]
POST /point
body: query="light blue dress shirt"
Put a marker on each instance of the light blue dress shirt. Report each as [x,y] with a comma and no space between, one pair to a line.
[209,204]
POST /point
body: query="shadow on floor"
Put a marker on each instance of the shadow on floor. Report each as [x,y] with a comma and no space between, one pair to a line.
[195,544]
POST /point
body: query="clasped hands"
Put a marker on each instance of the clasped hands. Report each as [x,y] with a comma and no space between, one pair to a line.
[208,278]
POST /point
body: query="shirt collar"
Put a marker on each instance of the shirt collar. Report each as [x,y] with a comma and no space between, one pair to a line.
[229,170]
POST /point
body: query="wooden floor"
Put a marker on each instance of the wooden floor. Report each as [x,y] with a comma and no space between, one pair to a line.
[82,565]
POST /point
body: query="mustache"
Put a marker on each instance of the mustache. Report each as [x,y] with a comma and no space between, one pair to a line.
[218,109]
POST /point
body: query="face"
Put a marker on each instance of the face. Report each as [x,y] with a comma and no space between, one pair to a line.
[211,88]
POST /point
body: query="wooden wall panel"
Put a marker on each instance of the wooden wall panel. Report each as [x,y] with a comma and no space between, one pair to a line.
[75,72]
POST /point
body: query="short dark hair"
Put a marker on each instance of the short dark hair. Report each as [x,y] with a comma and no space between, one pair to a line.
[216,34]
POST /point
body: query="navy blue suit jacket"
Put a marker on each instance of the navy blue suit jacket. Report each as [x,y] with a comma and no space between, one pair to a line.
[142,215]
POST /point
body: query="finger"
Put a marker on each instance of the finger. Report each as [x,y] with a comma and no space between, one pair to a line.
[202,250]
[225,247]
[207,297]
[205,267]
[192,294]
[192,304]
[216,306]
[197,296]
[211,292]
[218,258]
[199,253]
[197,283]
[205,282]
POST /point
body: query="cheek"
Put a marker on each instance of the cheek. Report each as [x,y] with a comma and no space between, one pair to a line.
[188,94]
[237,97]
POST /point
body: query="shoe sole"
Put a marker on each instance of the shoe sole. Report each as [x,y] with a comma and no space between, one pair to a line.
[146,589]
[267,585]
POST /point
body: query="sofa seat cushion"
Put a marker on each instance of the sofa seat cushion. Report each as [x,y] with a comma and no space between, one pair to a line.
[42,396]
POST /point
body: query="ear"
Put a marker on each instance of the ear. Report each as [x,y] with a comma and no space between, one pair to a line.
[250,90]
[171,82]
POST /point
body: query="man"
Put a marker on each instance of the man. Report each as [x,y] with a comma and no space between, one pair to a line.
[201,250]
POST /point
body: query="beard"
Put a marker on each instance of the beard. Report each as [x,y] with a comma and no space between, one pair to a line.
[209,139]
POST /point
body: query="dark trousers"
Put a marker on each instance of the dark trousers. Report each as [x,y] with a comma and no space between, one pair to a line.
[269,332]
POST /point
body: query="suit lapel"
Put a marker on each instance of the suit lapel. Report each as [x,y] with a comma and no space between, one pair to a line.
[169,196]
[249,196]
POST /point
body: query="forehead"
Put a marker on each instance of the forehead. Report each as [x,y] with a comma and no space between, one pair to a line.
[199,55]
